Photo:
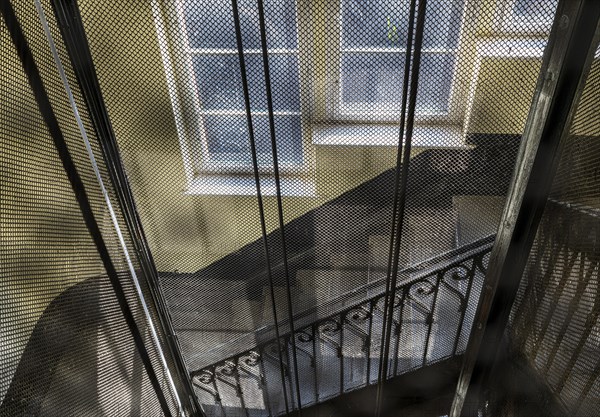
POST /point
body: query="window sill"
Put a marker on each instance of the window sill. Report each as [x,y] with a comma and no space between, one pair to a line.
[512,48]
[450,137]
[245,186]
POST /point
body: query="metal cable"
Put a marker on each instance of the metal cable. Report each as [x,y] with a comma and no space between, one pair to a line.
[269,97]
[393,236]
[414,84]
[51,121]
[240,47]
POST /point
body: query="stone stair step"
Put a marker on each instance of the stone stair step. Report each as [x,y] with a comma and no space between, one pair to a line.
[202,304]
[247,313]
[477,216]
[300,302]
[349,260]
[378,251]
[323,285]
[428,233]
[205,347]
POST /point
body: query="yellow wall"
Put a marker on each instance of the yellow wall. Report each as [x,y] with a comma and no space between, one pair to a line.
[188,232]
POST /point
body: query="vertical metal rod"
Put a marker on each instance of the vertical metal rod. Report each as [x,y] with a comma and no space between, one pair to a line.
[263,227]
[341,352]
[565,278]
[398,333]
[430,317]
[263,382]
[410,118]
[315,363]
[45,107]
[393,235]
[238,386]
[269,97]
[70,24]
[464,305]
[565,65]
[370,340]
[573,304]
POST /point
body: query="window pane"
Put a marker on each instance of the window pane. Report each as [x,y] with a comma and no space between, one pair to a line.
[384,23]
[287,136]
[220,86]
[372,83]
[218,82]
[533,8]
[209,24]
[442,24]
[378,23]
[228,139]
[435,83]
[284,82]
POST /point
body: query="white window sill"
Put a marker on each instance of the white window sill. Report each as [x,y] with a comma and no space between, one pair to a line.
[512,48]
[245,186]
[449,137]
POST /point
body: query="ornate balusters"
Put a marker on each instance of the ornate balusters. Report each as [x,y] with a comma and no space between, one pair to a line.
[338,341]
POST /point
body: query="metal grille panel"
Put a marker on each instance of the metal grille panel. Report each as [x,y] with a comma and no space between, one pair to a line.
[199,114]
[555,318]
[174,86]
[66,347]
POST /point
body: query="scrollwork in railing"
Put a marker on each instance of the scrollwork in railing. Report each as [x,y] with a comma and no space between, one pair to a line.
[205,380]
[357,315]
[457,273]
[204,376]
[250,359]
[227,368]
[482,261]
[304,337]
[418,292]
[355,318]
[249,363]
[329,327]
[417,289]
[328,331]
[453,275]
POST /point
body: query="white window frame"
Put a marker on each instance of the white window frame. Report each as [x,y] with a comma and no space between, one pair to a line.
[507,22]
[187,108]
[335,109]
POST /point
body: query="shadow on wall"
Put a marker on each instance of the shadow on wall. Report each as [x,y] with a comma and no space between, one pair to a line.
[79,359]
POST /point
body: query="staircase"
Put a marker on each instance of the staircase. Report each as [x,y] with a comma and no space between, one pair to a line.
[230,343]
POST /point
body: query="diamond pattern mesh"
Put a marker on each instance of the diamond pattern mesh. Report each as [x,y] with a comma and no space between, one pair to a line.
[556,317]
[172,80]
[173,83]
[65,346]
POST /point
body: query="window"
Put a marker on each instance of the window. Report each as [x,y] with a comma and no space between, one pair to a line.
[372,44]
[526,16]
[208,47]
[358,44]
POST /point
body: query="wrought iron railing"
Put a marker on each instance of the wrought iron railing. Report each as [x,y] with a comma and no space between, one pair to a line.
[433,314]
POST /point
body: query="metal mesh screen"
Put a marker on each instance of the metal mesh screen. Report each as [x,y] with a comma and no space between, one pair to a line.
[555,320]
[176,92]
[172,79]
[66,347]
